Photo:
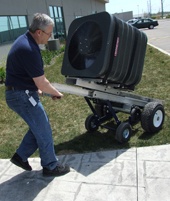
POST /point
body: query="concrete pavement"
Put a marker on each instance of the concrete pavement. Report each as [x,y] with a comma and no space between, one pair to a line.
[135,174]
[159,37]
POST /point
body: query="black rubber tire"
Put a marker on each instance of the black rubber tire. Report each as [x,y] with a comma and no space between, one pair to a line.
[152,117]
[151,26]
[135,115]
[91,123]
[123,132]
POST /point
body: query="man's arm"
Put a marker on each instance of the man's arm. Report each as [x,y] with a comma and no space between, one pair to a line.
[45,86]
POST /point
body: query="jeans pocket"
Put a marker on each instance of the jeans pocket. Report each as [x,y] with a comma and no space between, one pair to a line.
[10,96]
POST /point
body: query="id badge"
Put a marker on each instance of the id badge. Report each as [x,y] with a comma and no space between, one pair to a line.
[32,101]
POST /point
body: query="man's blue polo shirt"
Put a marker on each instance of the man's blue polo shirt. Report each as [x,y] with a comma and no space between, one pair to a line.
[24,62]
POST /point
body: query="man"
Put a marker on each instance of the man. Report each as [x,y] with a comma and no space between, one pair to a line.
[25,80]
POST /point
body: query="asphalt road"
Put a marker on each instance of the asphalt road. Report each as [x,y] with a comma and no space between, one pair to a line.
[160,36]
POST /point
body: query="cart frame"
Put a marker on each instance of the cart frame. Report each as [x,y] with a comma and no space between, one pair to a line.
[106,100]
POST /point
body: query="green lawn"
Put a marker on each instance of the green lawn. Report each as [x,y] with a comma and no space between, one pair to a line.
[68,115]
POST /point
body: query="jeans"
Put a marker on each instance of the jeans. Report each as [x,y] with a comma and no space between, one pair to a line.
[39,134]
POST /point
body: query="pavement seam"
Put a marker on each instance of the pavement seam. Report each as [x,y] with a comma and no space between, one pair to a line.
[137,182]
[78,191]
[6,169]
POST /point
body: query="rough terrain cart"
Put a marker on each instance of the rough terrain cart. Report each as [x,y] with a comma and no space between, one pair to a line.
[103,62]
[105,102]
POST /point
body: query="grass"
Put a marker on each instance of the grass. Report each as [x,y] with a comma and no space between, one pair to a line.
[67,116]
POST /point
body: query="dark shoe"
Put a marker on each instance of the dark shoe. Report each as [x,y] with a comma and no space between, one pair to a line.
[17,160]
[58,171]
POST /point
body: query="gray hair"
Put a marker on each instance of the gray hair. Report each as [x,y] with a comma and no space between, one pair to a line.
[40,21]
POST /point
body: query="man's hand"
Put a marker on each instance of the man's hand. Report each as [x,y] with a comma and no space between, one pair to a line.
[56,97]
[40,93]
[60,95]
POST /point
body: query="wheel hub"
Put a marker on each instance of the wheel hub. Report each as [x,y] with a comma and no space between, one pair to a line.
[126,133]
[158,118]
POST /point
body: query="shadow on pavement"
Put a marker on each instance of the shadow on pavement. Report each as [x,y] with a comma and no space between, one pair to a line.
[25,186]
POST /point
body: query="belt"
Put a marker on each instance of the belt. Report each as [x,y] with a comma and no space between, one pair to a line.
[9,88]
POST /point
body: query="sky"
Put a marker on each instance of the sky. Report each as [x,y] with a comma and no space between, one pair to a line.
[138,7]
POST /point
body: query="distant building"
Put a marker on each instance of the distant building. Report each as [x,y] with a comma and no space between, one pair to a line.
[125,16]
[16,15]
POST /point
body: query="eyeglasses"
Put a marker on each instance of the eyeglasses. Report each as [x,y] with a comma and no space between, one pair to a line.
[48,34]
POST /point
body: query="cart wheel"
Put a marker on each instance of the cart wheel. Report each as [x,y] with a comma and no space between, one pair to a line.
[123,132]
[152,117]
[135,115]
[91,123]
